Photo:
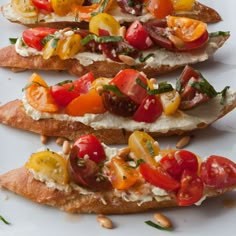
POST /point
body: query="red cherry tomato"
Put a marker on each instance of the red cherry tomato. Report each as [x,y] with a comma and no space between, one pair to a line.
[137,36]
[64,93]
[149,110]
[43,5]
[218,172]
[89,146]
[126,81]
[176,162]
[191,189]
[33,37]
[160,8]
[158,177]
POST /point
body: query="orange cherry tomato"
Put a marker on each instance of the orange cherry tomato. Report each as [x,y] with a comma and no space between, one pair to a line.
[123,176]
[86,12]
[38,95]
[90,102]
[185,28]
[160,8]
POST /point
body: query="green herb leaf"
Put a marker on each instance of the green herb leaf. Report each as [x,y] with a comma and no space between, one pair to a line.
[103,6]
[64,82]
[150,148]
[47,38]
[152,224]
[100,39]
[139,161]
[29,84]
[223,93]
[163,87]
[143,59]
[142,84]
[13,40]
[4,220]
[113,88]
[204,86]
[219,33]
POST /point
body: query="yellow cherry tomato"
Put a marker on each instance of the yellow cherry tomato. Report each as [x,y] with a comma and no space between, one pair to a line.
[104,21]
[63,7]
[25,8]
[38,95]
[49,49]
[123,176]
[185,28]
[50,165]
[170,102]
[183,5]
[144,147]
[69,46]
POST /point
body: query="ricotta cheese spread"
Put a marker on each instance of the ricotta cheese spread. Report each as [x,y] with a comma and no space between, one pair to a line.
[201,115]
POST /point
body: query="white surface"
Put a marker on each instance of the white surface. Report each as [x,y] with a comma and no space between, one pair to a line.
[211,218]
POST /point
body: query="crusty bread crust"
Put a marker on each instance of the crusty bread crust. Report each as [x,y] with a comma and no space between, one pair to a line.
[13,114]
[200,12]
[22,182]
[10,58]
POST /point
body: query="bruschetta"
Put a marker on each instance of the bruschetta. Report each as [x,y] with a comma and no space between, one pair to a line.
[113,108]
[78,13]
[155,48]
[94,178]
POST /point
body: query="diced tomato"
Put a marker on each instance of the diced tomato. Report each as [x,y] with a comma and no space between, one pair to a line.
[137,36]
[33,37]
[43,5]
[90,147]
[158,177]
[123,176]
[159,8]
[218,172]
[126,81]
[149,110]
[191,189]
[178,161]
[90,102]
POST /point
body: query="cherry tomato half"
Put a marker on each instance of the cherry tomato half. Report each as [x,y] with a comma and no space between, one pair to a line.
[218,172]
[158,177]
[33,37]
[137,36]
[191,189]
[89,146]
[149,110]
[126,81]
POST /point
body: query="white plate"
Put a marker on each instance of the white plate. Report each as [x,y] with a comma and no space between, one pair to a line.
[28,218]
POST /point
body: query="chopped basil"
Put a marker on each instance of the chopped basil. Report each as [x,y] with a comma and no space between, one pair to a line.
[13,40]
[150,148]
[131,3]
[64,82]
[4,220]
[151,223]
[204,86]
[113,88]
[100,39]
[47,38]
[103,6]
[142,84]
[163,87]
[178,85]
[29,84]
[139,161]
[219,33]
[223,93]
[143,59]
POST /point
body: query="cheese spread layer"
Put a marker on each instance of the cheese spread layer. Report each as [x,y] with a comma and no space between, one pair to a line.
[202,114]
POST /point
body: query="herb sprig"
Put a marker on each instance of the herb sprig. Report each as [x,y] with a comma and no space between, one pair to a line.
[4,220]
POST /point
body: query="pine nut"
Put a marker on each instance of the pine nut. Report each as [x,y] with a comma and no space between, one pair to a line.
[122,31]
[66,147]
[127,60]
[162,220]
[104,221]
[60,141]
[184,141]
[44,139]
